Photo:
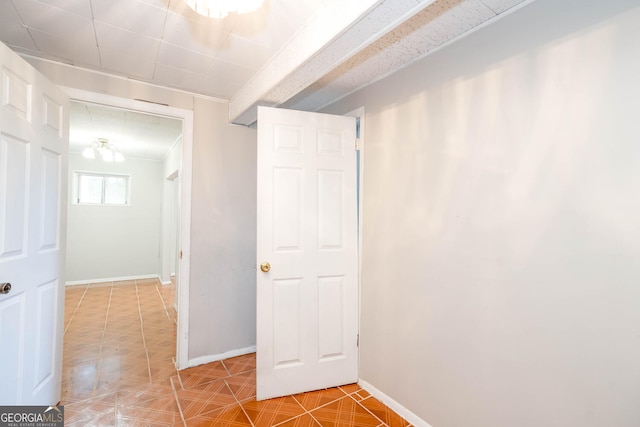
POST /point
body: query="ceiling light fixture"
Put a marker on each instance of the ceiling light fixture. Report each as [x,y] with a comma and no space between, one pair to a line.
[108,152]
[218,9]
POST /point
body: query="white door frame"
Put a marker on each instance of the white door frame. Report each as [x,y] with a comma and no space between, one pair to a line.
[182,340]
[358,113]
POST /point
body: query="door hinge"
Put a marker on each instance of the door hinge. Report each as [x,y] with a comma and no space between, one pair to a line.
[180,256]
[358,341]
[357,144]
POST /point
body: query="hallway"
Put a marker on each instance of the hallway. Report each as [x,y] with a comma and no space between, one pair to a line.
[119,349]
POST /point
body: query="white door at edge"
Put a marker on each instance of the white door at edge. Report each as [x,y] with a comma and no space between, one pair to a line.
[307,241]
[34,134]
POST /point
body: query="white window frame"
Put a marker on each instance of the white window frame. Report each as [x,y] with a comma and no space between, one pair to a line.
[76,188]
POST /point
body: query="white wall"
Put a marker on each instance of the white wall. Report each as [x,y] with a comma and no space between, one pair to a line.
[224,233]
[501,260]
[222,279]
[116,241]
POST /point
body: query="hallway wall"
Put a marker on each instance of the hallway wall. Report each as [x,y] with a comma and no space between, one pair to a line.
[106,242]
[501,218]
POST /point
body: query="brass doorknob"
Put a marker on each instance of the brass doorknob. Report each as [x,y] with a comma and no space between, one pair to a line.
[265,267]
[5,288]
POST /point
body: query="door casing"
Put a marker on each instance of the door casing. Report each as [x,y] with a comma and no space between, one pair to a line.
[182,340]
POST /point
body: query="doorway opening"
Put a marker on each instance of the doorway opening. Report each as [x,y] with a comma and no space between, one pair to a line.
[174,184]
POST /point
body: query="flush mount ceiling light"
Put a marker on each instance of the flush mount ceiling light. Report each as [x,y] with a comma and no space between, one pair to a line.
[218,9]
[108,152]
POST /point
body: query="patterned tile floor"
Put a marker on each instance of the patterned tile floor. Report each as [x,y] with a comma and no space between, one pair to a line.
[119,348]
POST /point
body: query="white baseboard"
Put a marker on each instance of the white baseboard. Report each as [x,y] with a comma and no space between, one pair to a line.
[392,404]
[216,357]
[111,279]
[165,283]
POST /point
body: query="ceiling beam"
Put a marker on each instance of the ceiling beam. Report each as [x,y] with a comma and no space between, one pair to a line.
[330,38]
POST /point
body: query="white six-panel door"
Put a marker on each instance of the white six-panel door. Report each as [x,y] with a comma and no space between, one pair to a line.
[33,195]
[307,303]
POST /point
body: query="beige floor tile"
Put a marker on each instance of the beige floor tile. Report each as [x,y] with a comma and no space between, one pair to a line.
[243,385]
[316,399]
[237,365]
[196,376]
[344,412]
[268,413]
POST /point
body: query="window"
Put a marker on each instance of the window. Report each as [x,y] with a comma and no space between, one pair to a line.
[101,189]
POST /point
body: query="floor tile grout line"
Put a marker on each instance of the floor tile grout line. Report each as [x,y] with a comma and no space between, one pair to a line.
[115,409]
[309,411]
[175,396]
[325,404]
[239,373]
[104,329]
[238,401]
[224,407]
[365,408]
[144,342]
[297,416]
[179,379]
[76,309]
[226,369]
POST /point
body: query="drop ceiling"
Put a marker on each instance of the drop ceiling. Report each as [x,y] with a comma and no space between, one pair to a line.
[300,54]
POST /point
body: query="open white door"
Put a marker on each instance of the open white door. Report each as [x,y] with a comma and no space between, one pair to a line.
[307,302]
[34,135]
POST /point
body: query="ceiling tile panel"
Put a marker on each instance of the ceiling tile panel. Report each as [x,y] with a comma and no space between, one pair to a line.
[177,77]
[129,64]
[267,28]
[12,32]
[16,36]
[221,69]
[8,13]
[295,13]
[162,4]
[224,78]
[54,20]
[199,36]
[177,57]
[115,38]
[223,87]
[244,52]
[80,51]
[125,53]
[81,7]
[134,16]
